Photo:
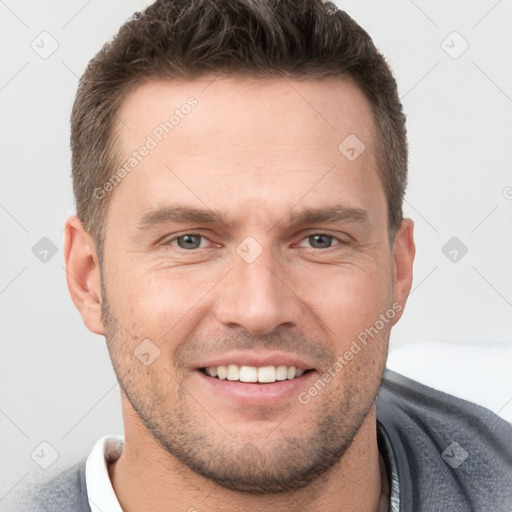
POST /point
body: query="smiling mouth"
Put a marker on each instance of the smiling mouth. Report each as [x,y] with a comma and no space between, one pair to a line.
[254,374]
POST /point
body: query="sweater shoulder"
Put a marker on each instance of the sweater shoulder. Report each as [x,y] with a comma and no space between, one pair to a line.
[448,451]
[61,491]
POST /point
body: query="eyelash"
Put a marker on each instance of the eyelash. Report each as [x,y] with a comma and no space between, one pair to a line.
[340,242]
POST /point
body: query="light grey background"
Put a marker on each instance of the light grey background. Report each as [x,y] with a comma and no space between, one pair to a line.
[56,382]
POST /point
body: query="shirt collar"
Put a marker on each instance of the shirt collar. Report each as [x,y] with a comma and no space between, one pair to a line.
[99,487]
[386,450]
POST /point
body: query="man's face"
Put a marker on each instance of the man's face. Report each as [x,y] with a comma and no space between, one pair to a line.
[264,288]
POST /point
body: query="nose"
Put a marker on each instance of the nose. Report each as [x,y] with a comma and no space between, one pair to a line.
[258,296]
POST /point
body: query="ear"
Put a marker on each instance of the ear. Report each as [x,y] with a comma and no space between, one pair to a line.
[83,274]
[404,251]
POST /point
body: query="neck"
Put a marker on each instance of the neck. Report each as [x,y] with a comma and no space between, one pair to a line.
[147,478]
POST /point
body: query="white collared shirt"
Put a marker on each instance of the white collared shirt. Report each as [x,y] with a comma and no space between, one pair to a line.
[102,497]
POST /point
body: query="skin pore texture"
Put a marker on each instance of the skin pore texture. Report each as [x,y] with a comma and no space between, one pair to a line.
[258,154]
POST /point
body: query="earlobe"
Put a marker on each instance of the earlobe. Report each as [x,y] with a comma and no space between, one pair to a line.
[404,251]
[83,274]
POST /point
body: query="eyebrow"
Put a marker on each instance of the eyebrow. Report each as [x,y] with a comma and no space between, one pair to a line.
[181,214]
[336,213]
[184,214]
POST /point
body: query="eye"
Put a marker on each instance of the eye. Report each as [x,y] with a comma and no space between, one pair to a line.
[188,241]
[320,240]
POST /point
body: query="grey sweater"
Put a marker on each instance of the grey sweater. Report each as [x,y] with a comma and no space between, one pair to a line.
[450,456]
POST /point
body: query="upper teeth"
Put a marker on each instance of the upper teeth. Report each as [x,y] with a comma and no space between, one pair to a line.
[253,373]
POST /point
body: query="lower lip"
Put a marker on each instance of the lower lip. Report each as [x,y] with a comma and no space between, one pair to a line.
[257,394]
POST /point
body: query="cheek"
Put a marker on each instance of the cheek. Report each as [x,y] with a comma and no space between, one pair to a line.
[348,298]
[158,304]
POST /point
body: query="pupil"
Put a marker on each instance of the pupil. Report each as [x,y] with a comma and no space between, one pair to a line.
[320,241]
[189,241]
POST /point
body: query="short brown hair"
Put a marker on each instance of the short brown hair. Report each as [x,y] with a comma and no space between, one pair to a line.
[184,39]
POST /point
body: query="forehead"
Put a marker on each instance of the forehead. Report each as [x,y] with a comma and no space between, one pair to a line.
[233,108]
[246,144]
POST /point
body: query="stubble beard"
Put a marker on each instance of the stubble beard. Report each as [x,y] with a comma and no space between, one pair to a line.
[190,435]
